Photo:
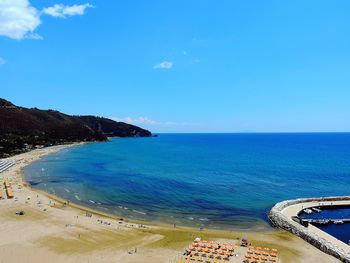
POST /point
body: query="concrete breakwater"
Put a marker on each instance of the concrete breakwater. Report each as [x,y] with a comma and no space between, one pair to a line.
[281,216]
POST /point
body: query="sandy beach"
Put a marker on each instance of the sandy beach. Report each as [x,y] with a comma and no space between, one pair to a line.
[51,231]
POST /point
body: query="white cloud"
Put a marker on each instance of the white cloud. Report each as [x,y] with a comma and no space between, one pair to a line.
[159,126]
[63,11]
[136,121]
[148,121]
[2,61]
[34,36]
[164,65]
[18,18]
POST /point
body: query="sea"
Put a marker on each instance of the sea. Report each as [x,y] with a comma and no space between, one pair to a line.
[218,181]
[340,230]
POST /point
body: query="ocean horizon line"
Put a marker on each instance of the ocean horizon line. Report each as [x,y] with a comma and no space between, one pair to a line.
[259,132]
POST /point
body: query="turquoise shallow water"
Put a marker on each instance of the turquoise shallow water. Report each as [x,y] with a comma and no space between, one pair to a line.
[211,180]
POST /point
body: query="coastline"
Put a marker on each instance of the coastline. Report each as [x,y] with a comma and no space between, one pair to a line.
[66,240]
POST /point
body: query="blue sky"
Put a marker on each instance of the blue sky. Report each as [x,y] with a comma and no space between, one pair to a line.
[182,66]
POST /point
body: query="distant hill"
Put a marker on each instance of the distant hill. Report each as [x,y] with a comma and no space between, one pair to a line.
[22,129]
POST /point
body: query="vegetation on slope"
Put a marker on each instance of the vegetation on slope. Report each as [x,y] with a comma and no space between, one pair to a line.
[22,129]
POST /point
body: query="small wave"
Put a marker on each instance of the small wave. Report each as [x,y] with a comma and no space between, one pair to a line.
[139,212]
[190,218]
[126,208]
[203,219]
[91,201]
[77,197]
[65,189]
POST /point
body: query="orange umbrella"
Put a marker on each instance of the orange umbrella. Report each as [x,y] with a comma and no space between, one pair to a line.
[266,248]
[273,254]
[256,257]
[248,256]
[259,248]
[263,258]
[274,250]
[258,252]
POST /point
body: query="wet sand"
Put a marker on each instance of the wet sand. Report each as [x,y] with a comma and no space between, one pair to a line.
[50,231]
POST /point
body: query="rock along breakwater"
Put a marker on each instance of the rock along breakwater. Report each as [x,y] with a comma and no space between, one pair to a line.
[283,213]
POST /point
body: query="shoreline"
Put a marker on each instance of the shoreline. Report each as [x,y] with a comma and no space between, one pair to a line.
[68,234]
[263,225]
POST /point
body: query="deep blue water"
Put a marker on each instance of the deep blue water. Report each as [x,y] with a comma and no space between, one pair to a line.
[340,231]
[210,180]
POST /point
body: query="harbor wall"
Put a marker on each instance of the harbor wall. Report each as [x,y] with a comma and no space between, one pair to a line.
[278,219]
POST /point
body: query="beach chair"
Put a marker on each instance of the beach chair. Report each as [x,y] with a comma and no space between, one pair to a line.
[247,256]
[271,259]
[256,257]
